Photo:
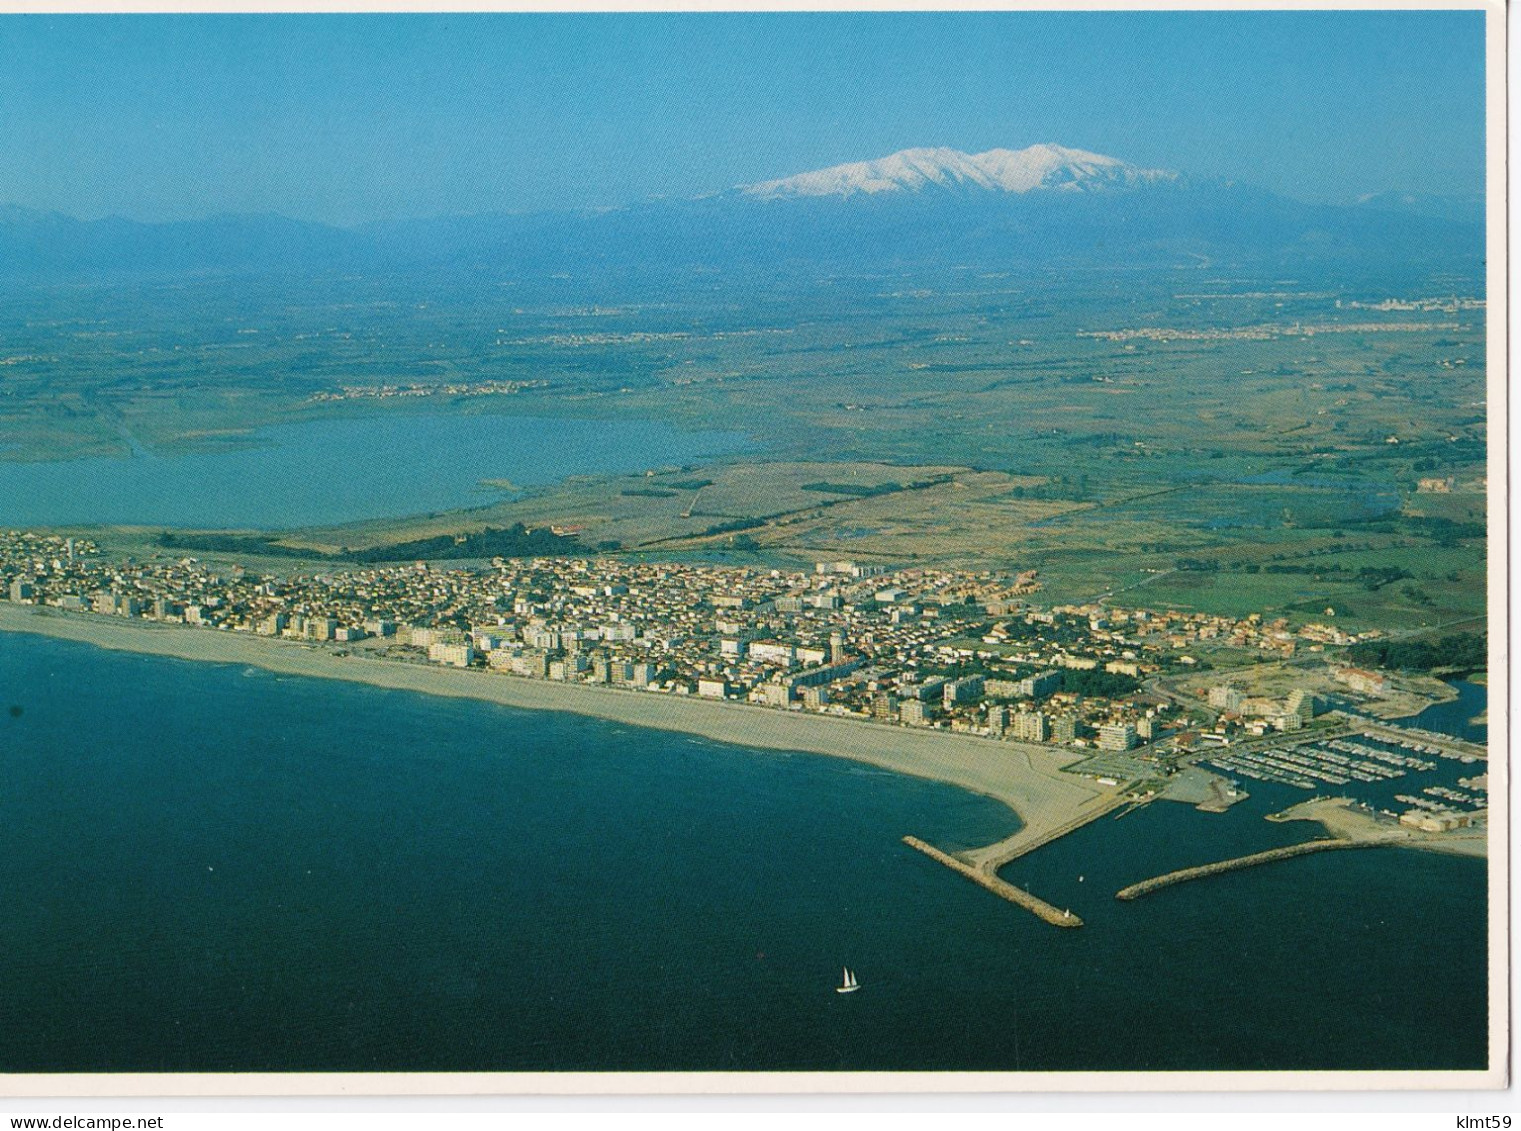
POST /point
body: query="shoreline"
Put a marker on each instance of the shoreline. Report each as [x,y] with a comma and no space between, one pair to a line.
[1026,778]
[1403,705]
[1343,821]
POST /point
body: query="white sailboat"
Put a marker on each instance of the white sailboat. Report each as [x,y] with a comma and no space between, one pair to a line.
[850,985]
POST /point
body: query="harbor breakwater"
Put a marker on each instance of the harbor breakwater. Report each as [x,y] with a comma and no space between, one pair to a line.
[1183,875]
[1057,917]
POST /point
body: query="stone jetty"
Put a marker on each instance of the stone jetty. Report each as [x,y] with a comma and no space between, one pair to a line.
[987,878]
[1135,891]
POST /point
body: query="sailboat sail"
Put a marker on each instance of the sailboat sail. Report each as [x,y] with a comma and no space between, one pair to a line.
[849,983]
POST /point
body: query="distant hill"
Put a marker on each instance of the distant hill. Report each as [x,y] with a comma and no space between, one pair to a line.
[1045,205]
[1465,209]
[50,245]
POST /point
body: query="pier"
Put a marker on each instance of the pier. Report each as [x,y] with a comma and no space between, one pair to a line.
[1450,745]
[1037,831]
[1145,887]
[986,877]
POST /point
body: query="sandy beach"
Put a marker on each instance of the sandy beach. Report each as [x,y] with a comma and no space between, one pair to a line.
[1025,777]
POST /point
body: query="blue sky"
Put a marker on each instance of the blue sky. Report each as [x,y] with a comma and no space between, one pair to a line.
[350,118]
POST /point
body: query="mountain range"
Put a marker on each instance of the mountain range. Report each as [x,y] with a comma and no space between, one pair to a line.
[1045,205]
[1038,168]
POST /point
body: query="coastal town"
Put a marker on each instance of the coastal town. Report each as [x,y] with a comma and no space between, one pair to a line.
[926,648]
[756,552]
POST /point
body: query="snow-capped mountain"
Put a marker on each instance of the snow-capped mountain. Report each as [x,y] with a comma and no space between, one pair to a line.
[1040,167]
[1043,207]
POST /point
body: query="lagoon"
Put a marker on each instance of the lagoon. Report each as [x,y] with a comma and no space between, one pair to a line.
[325,472]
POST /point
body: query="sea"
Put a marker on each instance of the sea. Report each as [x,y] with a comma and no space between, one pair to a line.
[215,868]
[323,472]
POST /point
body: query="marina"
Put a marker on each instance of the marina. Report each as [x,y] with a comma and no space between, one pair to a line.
[1379,759]
[1371,759]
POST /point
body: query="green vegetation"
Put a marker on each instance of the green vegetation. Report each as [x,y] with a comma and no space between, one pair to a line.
[253,544]
[1316,607]
[1464,651]
[1099,684]
[854,489]
[1442,531]
[1060,487]
[1373,578]
[515,541]
[861,491]
[734,525]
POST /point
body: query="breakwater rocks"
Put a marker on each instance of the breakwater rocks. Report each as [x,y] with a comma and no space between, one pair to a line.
[1057,917]
[1135,891]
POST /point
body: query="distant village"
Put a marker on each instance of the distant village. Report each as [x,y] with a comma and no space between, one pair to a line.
[451,389]
[967,652]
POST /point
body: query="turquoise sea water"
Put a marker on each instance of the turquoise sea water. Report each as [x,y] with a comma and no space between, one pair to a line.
[213,867]
[331,471]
